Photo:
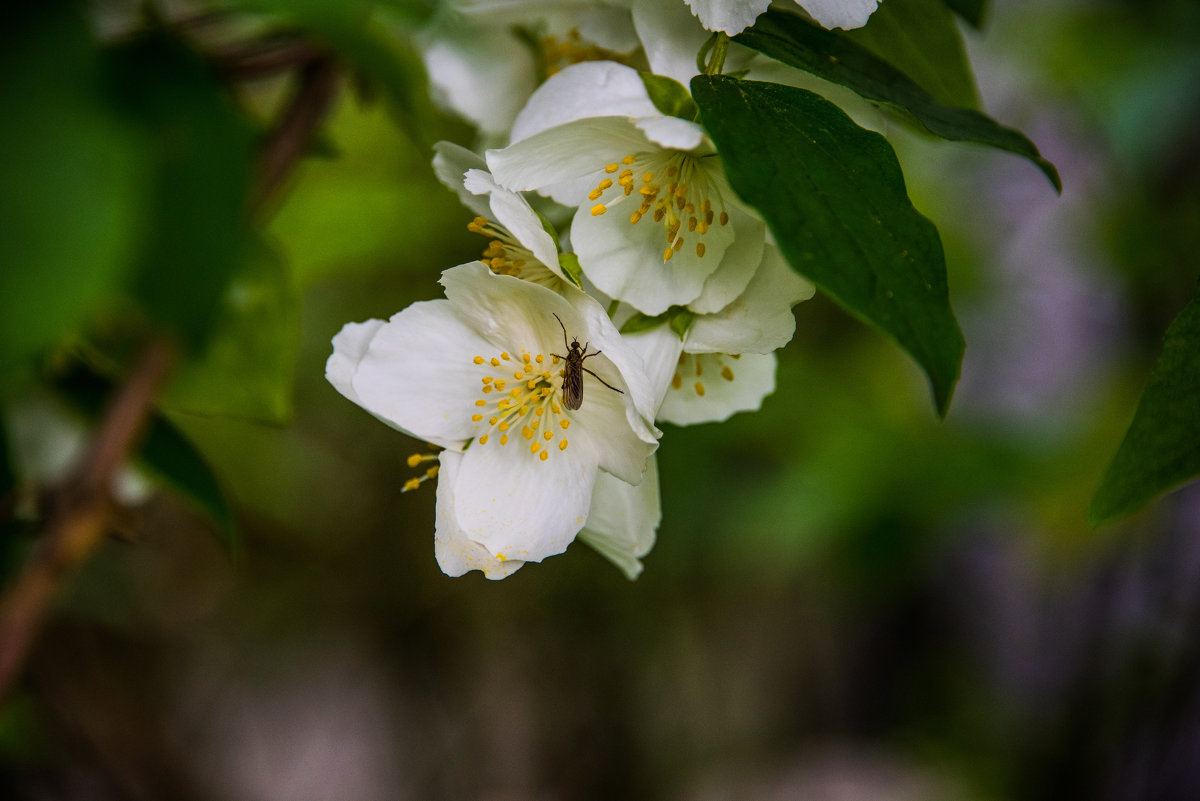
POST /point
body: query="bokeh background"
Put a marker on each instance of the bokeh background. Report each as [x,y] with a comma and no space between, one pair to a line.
[849,600]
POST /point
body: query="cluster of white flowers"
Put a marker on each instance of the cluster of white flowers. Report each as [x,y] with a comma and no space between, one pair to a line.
[543,409]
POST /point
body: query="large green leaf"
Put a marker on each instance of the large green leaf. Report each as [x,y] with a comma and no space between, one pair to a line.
[164,449]
[833,56]
[72,184]
[834,198]
[247,366]
[202,150]
[1162,446]
[921,39]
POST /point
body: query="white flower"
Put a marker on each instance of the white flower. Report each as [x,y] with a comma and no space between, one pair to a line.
[656,218]
[482,69]
[725,364]
[734,16]
[520,245]
[476,370]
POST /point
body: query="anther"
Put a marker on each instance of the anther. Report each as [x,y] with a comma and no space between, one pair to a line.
[478,360]
[700,389]
[483,439]
[562,446]
[629,159]
[598,209]
[726,373]
[700,249]
[611,168]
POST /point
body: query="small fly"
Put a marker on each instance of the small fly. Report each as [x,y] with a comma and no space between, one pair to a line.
[573,372]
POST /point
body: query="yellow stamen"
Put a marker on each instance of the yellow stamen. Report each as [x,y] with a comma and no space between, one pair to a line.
[700,389]
[598,209]
[562,446]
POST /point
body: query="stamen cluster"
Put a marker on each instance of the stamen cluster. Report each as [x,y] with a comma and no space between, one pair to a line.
[685,200]
[530,403]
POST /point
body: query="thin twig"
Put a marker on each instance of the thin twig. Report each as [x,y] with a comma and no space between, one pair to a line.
[79,513]
[295,130]
[81,509]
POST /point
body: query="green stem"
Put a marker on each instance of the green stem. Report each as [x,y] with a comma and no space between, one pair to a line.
[716,62]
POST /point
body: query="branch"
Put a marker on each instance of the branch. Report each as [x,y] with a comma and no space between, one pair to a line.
[80,510]
[295,130]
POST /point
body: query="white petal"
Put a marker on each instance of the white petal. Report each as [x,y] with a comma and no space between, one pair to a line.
[660,348]
[450,164]
[758,321]
[587,89]
[610,28]
[514,213]
[418,374]
[567,161]
[671,37]
[737,266]
[520,507]
[623,519]
[349,347]
[482,72]
[456,553]
[753,379]
[730,16]
[840,13]
[672,132]
[625,261]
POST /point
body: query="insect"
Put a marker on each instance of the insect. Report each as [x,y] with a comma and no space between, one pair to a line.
[572,389]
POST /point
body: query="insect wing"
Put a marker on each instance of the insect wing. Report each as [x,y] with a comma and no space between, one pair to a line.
[573,380]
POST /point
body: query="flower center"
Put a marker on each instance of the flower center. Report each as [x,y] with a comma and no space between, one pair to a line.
[560,53]
[674,189]
[525,405]
[693,366]
[504,255]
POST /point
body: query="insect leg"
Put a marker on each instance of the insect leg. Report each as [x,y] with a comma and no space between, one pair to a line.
[598,378]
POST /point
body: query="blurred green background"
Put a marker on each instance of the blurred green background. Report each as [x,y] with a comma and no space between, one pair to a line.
[848,599]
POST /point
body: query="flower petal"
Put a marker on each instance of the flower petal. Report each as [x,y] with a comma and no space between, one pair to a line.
[587,89]
[660,349]
[457,554]
[417,373]
[738,265]
[519,507]
[349,347]
[625,261]
[672,132]
[622,520]
[760,319]
[711,397]
[450,164]
[671,37]
[482,72]
[840,13]
[567,161]
[609,27]
[730,16]
[514,213]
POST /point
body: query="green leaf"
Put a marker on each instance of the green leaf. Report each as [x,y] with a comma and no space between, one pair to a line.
[1161,449]
[569,263]
[921,39]
[165,451]
[642,322]
[680,319]
[72,191]
[669,96]
[973,11]
[834,57]
[202,151]
[834,198]
[248,364]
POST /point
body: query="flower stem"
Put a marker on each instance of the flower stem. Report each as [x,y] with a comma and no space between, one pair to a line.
[719,47]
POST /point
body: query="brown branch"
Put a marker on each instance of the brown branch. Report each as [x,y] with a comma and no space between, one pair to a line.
[79,513]
[81,509]
[295,130]
[266,59]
